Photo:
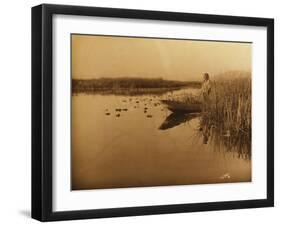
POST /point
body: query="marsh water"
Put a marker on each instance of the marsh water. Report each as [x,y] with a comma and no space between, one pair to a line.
[131,141]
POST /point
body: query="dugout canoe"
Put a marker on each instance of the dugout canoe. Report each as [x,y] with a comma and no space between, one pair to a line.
[181,107]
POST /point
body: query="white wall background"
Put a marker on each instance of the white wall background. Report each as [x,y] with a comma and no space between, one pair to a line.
[15,113]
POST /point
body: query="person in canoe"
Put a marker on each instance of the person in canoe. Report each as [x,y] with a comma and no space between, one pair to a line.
[206,89]
[192,104]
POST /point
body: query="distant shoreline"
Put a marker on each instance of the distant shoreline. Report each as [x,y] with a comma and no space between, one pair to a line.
[129,86]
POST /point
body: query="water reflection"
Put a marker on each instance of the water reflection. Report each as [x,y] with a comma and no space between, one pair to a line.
[131,141]
[221,139]
[215,136]
[175,119]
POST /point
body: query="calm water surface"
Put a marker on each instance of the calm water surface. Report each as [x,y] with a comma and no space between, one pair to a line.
[132,141]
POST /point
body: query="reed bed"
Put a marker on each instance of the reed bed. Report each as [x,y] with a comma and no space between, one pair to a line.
[226,116]
[230,105]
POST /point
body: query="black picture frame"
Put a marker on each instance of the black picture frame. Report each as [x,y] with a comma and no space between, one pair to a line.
[42,106]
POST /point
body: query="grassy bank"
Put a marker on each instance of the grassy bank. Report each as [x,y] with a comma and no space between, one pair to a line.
[128,86]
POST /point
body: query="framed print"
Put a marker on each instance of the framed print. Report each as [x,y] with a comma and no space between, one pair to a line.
[145,112]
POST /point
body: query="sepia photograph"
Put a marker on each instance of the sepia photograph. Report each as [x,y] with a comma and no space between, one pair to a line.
[149,111]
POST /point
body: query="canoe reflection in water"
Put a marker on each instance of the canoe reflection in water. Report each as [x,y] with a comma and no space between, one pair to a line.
[177,118]
[211,134]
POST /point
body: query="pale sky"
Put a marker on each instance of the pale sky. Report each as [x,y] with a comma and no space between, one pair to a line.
[109,56]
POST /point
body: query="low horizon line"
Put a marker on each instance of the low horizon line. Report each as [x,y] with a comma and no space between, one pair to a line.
[161,78]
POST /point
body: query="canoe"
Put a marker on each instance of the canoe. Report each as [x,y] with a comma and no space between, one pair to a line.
[177,106]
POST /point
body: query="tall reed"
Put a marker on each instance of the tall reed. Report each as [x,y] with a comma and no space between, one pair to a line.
[226,117]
